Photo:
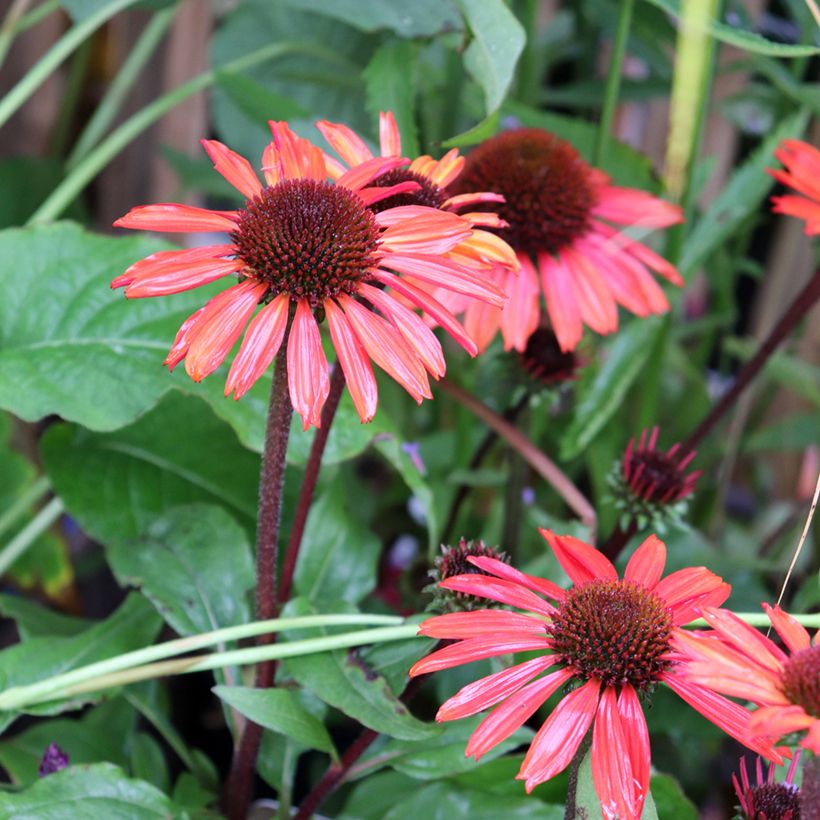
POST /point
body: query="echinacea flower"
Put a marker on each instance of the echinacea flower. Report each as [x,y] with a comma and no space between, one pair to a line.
[767,800]
[574,234]
[802,174]
[739,661]
[651,485]
[307,248]
[610,639]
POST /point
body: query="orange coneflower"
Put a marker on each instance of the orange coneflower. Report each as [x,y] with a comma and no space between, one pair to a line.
[802,173]
[304,247]
[610,638]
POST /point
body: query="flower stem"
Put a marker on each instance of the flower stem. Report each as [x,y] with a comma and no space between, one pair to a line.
[33,78]
[613,81]
[800,305]
[544,466]
[810,788]
[574,769]
[271,481]
[30,533]
[314,464]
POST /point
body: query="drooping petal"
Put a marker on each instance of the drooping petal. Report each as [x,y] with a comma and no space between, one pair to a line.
[776,721]
[369,196]
[580,561]
[637,741]
[387,348]
[364,173]
[465,200]
[501,570]
[519,317]
[169,216]
[497,589]
[791,631]
[490,248]
[219,327]
[690,590]
[417,335]
[646,565]
[630,206]
[447,168]
[354,362]
[511,715]
[594,299]
[162,260]
[455,625]
[235,168]
[487,691]
[308,381]
[746,639]
[640,251]
[475,649]
[611,763]
[346,143]
[562,302]
[262,341]
[272,164]
[811,741]
[182,340]
[431,232]
[389,136]
[179,278]
[482,321]
[802,209]
[556,742]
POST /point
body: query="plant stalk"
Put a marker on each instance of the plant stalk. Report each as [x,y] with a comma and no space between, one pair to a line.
[810,787]
[20,507]
[30,533]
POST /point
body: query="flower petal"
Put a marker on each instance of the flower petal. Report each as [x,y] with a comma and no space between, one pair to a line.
[389,136]
[262,341]
[792,632]
[501,570]
[556,742]
[298,158]
[346,143]
[580,561]
[776,721]
[594,299]
[557,282]
[487,691]
[169,216]
[637,742]
[308,382]
[431,232]
[520,315]
[182,341]
[370,196]
[512,714]
[630,206]
[163,260]
[365,172]
[235,168]
[497,589]
[179,278]
[745,638]
[476,649]
[689,590]
[456,625]
[646,565]
[447,168]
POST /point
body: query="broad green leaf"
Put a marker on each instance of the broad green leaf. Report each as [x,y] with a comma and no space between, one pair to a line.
[256,101]
[68,344]
[279,711]
[133,626]
[373,797]
[339,556]
[116,484]
[393,660]
[35,621]
[194,564]
[740,197]
[478,133]
[441,801]
[421,18]
[796,432]
[101,791]
[24,183]
[497,42]
[102,734]
[342,680]
[669,799]
[390,85]
[746,40]
[441,756]
[625,359]
[148,761]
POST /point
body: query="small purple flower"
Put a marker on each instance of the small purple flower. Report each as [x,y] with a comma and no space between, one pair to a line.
[53,760]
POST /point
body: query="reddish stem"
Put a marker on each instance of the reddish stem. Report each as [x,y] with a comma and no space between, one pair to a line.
[314,463]
[240,781]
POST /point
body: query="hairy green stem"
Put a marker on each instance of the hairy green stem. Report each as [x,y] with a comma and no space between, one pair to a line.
[613,81]
[37,75]
[30,533]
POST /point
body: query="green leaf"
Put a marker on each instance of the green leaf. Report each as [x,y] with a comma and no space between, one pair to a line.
[390,85]
[440,801]
[478,133]
[35,621]
[393,660]
[98,792]
[341,680]
[669,799]
[421,18]
[339,556]
[740,197]
[256,101]
[133,626]
[24,183]
[194,564]
[279,711]
[626,357]
[102,734]
[746,40]
[441,756]
[498,40]
[61,317]
[587,804]
[796,432]
[116,484]
[148,761]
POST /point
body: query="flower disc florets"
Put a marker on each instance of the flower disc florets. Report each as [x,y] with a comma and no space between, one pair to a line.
[310,239]
[801,679]
[544,360]
[774,801]
[616,632]
[428,193]
[545,182]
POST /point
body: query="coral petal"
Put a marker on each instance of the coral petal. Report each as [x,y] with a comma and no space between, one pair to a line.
[235,168]
[580,561]
[308,381]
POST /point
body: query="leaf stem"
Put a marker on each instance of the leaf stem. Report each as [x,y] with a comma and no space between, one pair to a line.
[20,507]
[120,86]
[761,619]
[30,533]
[613,81]
[38,73]
[312,468]
[8,28]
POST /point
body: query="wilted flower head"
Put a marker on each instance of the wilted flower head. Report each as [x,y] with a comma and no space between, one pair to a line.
[305,249]
[561,215]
